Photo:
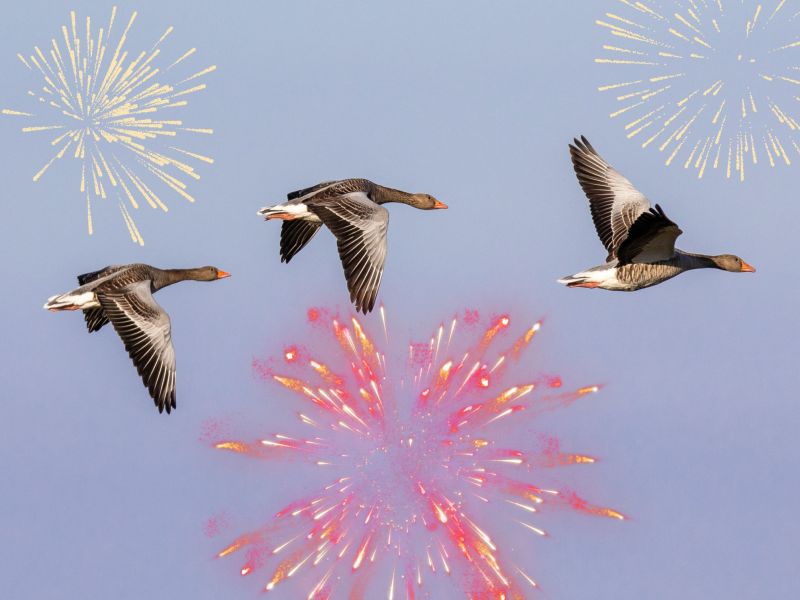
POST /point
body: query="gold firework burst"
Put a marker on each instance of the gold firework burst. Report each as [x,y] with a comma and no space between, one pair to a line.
[713,84]
[112,115]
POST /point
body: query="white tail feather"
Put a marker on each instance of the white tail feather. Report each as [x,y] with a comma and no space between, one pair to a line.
[297,209]
[72,301]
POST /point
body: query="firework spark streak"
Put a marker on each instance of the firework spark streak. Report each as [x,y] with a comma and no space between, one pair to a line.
[713,84]
[105,105]
[415,468]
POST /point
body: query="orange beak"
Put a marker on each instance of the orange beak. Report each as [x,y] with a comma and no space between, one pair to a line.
[438,204]
[222,274]
[747,268]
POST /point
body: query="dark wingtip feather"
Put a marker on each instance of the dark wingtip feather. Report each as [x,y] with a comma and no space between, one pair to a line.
[588,146]
[363,306]
[166,404]
[581,146]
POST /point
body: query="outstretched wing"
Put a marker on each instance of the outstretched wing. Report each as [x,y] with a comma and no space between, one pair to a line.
[145,330]
[295,235]
[650,239]
[614,202]
[360,228]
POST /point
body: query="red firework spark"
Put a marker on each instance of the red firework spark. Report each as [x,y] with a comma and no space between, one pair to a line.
[418,465]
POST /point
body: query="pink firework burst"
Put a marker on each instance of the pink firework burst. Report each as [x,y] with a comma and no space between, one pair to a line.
[415,466]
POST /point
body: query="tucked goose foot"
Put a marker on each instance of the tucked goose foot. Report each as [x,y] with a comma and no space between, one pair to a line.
[586,284]
[282,216]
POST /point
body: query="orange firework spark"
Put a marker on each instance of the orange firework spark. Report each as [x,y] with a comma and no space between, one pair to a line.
[416,467]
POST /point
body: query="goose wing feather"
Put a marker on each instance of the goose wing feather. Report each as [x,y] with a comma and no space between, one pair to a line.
[650,239]
[360,228]
[95,318]
[614,202]
[85,278]
[309,190]
[146,332]
[295,235]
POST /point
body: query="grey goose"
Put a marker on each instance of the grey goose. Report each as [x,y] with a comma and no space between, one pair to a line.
[640,239]
[353,210]
[123,296]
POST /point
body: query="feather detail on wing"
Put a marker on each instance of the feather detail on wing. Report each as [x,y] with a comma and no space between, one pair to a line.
[145,330]
[295,235]
[309,190]
[650,239]
[94,275]
[360,228]
[95,318]
[614,202]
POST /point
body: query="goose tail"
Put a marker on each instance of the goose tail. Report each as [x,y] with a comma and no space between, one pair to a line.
[71,301]
[572,280]
[287,212]
[579,280]
[269,211]
[59,302]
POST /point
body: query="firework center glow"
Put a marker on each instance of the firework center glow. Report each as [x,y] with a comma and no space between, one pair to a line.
[414,468]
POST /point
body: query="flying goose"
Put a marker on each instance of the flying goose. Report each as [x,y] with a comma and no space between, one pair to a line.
[352,209]
[640,239]
[123,295]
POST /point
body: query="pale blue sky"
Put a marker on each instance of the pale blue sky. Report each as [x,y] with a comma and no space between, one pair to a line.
[475,103]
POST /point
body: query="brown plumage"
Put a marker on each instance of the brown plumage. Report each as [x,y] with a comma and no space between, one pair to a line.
[123,295]
[352,209]
[640,239]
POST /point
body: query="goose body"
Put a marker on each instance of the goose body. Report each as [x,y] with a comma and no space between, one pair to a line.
[352,209]
[639,238]
[123,296]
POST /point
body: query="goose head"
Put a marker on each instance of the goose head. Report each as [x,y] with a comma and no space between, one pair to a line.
[425,202]
[731,262]
[210,274]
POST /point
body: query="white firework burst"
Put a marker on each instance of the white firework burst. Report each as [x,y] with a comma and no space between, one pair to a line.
[114,114]
[713,84]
